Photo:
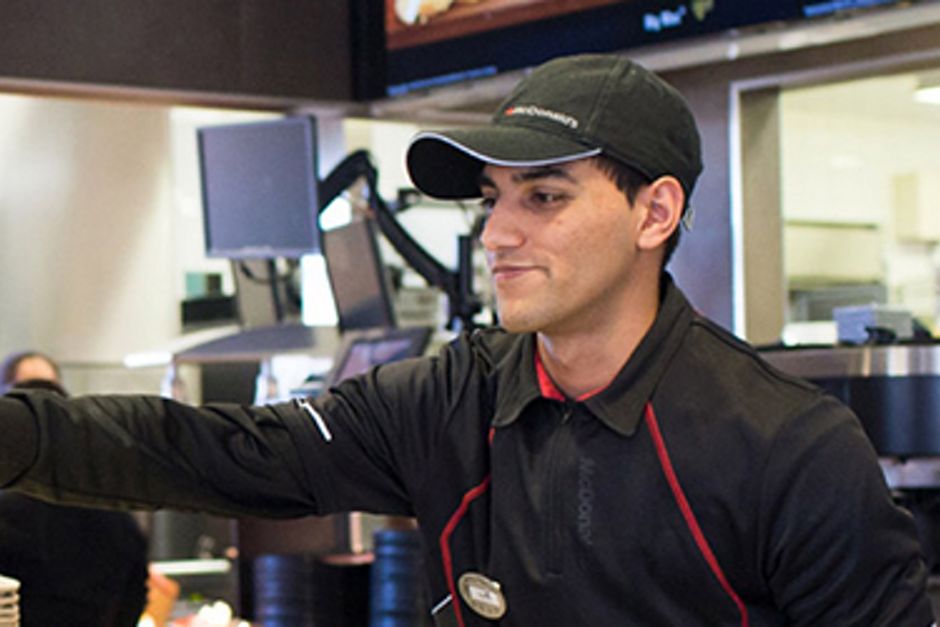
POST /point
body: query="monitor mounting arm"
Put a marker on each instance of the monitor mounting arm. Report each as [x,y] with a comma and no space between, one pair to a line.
[463,304]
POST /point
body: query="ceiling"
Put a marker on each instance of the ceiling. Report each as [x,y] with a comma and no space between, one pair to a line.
[876,97]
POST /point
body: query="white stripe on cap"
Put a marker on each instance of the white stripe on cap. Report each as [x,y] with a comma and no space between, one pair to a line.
[533,163]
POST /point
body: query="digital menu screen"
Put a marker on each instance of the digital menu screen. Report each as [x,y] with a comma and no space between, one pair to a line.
[436,42]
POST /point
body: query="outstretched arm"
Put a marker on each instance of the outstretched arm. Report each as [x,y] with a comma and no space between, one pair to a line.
[148,452]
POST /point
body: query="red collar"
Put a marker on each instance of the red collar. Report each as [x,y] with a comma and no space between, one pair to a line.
[548,388]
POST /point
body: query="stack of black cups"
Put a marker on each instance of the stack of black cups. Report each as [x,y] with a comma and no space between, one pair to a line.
[397,594]
[299,590]
[282,591]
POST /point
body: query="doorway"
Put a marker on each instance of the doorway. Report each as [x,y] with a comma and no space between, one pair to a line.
[839,202]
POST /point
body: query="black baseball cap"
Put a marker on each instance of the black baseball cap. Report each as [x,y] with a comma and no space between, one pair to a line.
[567,109]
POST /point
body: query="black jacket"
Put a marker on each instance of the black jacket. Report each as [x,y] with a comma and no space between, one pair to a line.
[701,487]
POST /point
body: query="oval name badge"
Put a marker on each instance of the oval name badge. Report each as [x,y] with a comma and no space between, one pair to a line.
[482,594]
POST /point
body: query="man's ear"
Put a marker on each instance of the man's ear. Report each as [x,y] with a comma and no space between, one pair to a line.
[664,200]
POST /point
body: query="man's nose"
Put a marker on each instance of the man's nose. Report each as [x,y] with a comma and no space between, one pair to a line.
[501,229]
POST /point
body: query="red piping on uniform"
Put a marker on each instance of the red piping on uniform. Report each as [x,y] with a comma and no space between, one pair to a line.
[688,514]
[444,539]
[548,388]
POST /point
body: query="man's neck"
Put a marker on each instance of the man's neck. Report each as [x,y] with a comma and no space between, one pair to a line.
[585,360]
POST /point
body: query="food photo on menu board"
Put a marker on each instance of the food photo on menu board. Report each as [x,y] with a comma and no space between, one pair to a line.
[415,22]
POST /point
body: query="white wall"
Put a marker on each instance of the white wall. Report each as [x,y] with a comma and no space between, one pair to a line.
[85,218]
[99,222]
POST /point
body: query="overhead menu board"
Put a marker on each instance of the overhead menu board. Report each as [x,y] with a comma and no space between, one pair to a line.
[428,43]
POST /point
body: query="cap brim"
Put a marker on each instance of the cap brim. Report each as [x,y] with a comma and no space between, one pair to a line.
[448,164]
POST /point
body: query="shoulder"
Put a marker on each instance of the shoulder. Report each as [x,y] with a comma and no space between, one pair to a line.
[725,362]
[485,350]
[458,375]
[489,341]
[718,380]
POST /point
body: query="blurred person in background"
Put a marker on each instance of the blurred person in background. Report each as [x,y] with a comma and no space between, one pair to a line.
[30,367]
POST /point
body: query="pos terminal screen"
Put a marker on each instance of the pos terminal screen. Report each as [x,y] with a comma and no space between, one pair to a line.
[362,351]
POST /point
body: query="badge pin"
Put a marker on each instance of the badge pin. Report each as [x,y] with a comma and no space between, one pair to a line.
[482,594]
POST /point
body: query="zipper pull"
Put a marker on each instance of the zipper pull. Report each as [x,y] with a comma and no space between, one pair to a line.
[324,430]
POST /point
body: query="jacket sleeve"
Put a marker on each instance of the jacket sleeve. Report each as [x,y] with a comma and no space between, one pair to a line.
[837,550]
[360,447]
[18,440]
[375,438]
[148,452]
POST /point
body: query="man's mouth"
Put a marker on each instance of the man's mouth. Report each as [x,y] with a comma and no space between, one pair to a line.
[503,272]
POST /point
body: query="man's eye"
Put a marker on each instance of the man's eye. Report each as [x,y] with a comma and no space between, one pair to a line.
[548,198]
[486,204]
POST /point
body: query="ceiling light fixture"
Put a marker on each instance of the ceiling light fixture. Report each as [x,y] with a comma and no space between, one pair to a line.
[928,88]
[928,95]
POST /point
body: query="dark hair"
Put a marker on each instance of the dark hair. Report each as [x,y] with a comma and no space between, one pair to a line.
[12,362]
[630,180]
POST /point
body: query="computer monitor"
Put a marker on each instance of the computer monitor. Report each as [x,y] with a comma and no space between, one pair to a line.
[260,188]
[362,350]
[358,277]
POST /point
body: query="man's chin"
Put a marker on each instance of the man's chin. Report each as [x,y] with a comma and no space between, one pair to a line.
[516,323]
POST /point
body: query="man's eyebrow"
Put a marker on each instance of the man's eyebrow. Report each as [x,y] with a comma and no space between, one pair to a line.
[543,172]
[533,174]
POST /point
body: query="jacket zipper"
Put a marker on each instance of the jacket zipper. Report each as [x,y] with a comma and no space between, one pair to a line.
[554,535]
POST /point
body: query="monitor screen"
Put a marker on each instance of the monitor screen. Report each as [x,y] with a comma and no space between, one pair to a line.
[358,278]
[362,351]
[259,189]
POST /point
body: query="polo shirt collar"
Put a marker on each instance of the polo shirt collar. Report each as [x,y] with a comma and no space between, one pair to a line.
[620,404]
[517,382]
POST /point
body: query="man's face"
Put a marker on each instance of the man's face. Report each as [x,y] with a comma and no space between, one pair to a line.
[560,242]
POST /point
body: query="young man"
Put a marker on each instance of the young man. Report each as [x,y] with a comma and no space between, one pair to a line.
[609,458]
